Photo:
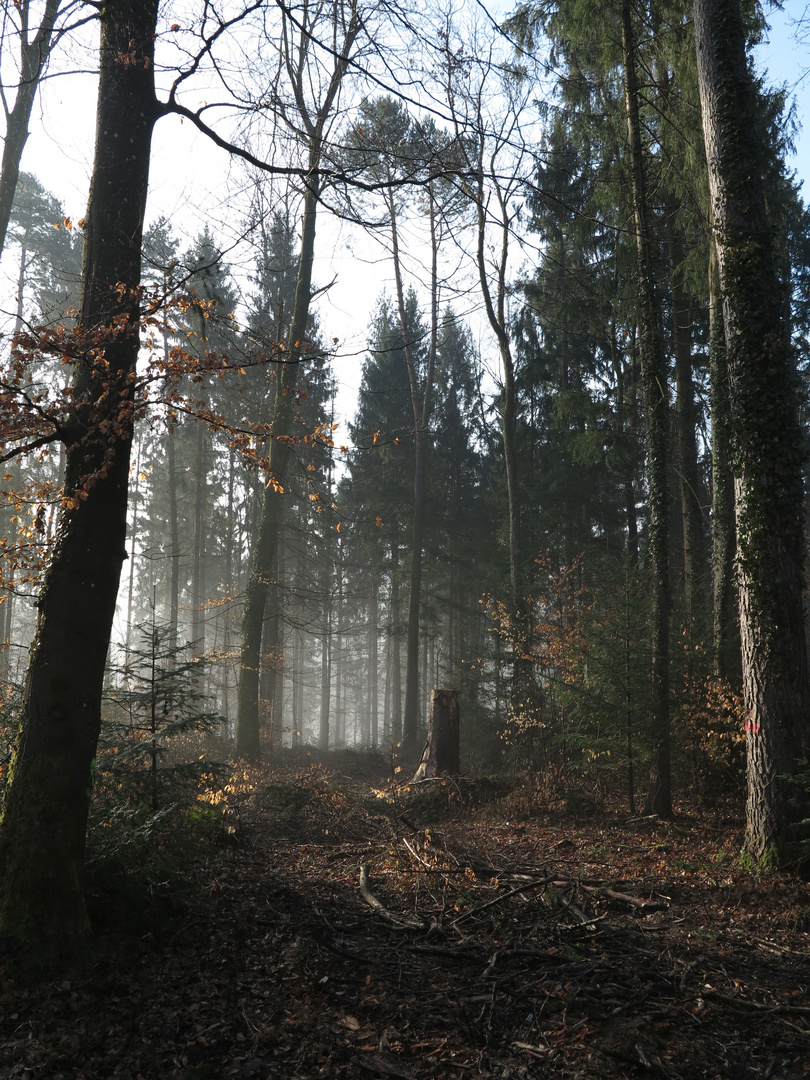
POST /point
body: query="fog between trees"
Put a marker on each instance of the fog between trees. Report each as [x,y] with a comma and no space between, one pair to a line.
[587,516]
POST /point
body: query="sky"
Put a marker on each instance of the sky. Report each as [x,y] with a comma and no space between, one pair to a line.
[193,183]
[787,62]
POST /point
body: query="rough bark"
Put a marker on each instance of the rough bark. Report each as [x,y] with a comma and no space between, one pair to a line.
[695,559]
[441,753]
[727,657]
[42,831]
[656,401]
[766,439]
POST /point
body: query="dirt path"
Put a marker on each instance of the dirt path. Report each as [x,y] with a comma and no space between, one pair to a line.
[600,949]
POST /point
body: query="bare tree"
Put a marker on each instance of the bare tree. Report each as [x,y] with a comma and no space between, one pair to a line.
[314,94]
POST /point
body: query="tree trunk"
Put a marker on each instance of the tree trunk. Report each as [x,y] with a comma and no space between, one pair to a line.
[198,587]
[421,407]
[131,586]
[522,689]
[767,442]
[266,546]
[396,644]
[695,560]
[265,552]
[42,830]
[441,753]
[656,400]
[373,659]
[174,541]
[727,655]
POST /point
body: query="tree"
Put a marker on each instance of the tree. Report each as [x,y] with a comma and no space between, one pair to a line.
[386,146]
[767,444]
[44,815]
[656,400]
[309,116]
[50,255]
[488,101]
[158,698]
[33,57]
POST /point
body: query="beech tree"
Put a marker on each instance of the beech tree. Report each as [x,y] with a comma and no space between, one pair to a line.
[44,815]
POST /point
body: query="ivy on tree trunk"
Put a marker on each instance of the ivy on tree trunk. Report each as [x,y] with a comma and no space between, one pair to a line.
[764,424]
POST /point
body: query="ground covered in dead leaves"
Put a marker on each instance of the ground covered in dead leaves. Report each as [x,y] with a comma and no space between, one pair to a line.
[482,944]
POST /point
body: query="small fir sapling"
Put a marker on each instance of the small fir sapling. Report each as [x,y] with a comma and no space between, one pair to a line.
[157,697]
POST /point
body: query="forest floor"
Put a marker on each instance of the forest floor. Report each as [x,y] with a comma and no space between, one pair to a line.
[320,922]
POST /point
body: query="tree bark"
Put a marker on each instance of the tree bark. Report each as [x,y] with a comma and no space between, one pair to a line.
[42,830]
[766,437]
[695,560]
[441,753]
[727,655]
[656,400]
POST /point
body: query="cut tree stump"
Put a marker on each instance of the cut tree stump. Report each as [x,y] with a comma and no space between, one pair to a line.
[441,754]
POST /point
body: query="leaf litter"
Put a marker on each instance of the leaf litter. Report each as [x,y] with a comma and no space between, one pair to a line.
[335,925]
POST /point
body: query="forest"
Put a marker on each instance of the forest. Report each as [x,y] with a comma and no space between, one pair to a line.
[569,495]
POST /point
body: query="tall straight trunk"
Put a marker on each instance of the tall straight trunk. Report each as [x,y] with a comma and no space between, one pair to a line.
[21,278]
[265,551]
[174,543]
[727,654]
[7,614]
[656,401]
[131,587]
[295,676]
[765,431]
[230,590]
[340,679]
[624,408]
[326,670]
[34,53]
[695,554]
[295,57]
[495,307]
[44,818]
[387,734]
[421,403]
[279,668]
[396,642]
[198,590]
[373,659]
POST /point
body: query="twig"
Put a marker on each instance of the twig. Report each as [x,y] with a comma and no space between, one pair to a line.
[536,884]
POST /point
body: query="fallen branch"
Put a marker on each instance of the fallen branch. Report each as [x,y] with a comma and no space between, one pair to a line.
[406,923]
[634,901]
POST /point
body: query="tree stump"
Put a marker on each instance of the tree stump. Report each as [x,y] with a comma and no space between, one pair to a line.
[441,754]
